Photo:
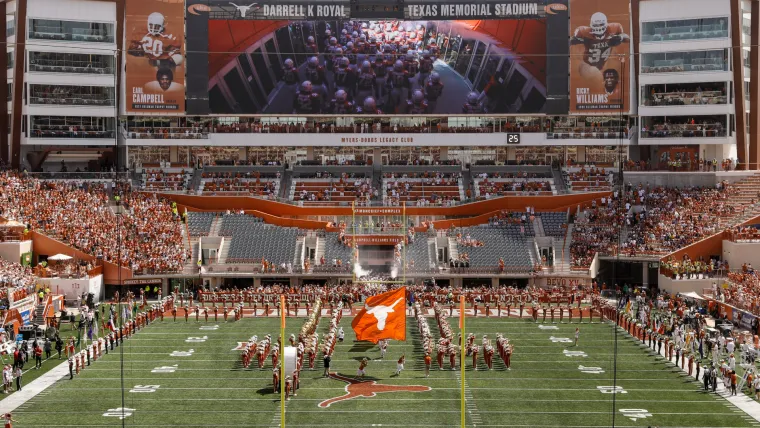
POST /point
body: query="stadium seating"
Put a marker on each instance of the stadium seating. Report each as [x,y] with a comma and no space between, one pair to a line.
[417,255]
[504,241]
[336,250]
[253,240]
[588,180]
[492,187]
[331,190]
[199,223]
[421,189]
[166,179]
[253,183]
[555,224]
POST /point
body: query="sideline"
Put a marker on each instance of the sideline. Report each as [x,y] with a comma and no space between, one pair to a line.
[34,388]
[741,401]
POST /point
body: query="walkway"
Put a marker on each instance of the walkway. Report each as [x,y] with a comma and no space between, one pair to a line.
[34,388]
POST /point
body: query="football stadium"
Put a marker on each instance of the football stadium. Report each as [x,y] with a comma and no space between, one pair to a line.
[380,213]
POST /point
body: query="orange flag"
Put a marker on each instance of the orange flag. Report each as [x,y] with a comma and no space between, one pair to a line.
[383,317]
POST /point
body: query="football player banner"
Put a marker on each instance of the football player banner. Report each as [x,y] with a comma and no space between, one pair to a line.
[155,58]
[599,52]
[383,317]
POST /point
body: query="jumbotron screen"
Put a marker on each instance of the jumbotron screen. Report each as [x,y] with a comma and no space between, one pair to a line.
[377,67]
[317,58]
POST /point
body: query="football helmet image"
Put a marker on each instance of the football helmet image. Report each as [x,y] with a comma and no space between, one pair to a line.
[598,24]
[156,23]
[418,97]
[370,105]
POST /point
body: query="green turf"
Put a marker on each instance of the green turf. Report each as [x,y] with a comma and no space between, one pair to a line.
[544,387]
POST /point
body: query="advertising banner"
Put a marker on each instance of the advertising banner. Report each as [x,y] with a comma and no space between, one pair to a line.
[374,239]
[155,56]
[599,51]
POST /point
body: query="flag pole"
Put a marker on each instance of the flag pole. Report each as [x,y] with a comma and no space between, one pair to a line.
[461,354]
[282,361]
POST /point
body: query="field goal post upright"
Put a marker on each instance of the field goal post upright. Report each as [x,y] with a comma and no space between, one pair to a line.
[355,246]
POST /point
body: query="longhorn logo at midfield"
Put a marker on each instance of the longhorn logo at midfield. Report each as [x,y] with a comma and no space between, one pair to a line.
[367,388]
[381,312]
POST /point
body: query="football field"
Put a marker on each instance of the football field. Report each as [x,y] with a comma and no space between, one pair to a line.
[189,375]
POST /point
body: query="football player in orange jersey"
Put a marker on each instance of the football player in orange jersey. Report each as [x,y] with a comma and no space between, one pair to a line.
[612,84]
[161,50]
[597,41]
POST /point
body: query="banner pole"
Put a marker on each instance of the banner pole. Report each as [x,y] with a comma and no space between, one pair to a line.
[282,361]
[461,354]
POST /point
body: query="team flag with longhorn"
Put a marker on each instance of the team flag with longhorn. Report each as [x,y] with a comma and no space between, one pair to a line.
[383,317]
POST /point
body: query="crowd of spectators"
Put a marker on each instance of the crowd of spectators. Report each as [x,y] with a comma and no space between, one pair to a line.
[146,235]
[488,189]
[744,234]
[163,133]
[251,182]
[686,268]
[678,95]
[423,189]
[157,179]
[590,179]
[348,186]
[505,218]
[667,219]
[71,95]
[743,291]
[683,163]
[16,280]
[304,125]
[691,128]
